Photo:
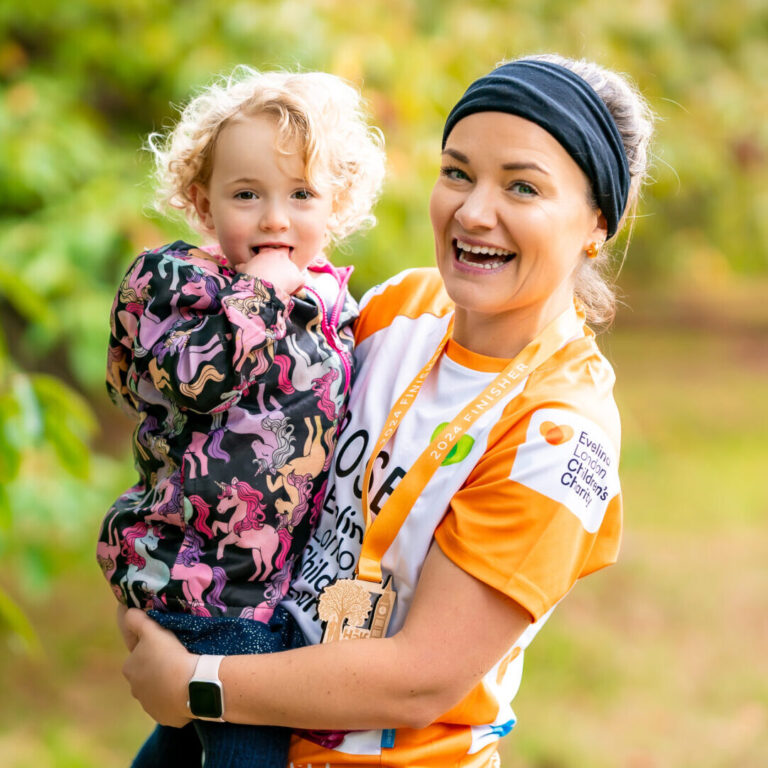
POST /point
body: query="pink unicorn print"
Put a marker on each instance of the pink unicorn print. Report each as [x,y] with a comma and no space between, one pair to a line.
[138,541]
[273,432]
[197,455]
[304,370]
[274,592]
[199,515]
[321,386]
[303,485]
[246,528]
[273,444]
[107,551]
[251,333]
[166,503]
[318,377]
[310,463]
[197,577]
[133,293]
[205,288]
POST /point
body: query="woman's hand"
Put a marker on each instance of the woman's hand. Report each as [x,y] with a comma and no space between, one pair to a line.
[158,669]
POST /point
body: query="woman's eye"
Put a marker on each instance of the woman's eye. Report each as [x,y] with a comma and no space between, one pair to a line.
[303,194]
[245,195]
[523,189]
[453,173]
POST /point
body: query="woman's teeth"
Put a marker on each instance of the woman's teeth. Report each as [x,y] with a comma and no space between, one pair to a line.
[478,255]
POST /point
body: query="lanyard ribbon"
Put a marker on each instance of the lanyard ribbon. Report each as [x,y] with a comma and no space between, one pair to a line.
[381,532]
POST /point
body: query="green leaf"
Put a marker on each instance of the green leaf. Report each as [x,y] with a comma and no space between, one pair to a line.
[10,457]
[29,419]
[24,299]
[63,402]
[6,511]
[70,449]
[13,620]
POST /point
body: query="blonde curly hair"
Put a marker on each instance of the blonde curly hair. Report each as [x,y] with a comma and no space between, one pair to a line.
[319,113]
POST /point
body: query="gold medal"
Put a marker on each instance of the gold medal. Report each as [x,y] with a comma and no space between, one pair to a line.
[345,607]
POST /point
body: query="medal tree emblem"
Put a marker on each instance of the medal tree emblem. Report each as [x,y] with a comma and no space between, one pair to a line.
[345,608]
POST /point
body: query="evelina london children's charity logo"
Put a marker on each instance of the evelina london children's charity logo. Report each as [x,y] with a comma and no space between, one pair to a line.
[570,460]
[556,434]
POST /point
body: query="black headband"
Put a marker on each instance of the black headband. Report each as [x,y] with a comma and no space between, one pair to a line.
[566,106]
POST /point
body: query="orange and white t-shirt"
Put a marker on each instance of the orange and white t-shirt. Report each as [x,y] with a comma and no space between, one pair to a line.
[527,502]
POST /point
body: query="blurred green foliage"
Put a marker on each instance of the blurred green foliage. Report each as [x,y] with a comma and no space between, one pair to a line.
[83,82]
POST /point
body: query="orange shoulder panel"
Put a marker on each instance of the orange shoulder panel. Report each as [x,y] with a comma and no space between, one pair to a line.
[418,292]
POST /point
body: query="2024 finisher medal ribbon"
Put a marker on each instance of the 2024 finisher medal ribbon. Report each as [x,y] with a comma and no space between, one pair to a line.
[345,606]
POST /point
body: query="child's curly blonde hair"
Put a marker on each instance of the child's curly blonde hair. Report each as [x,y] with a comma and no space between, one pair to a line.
[319,113]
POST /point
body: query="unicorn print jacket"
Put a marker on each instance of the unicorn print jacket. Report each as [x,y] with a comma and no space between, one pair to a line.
[238,393]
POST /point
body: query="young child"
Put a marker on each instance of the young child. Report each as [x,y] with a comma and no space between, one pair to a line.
[235,358]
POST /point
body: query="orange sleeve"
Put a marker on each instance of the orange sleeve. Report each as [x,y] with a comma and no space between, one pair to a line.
[409,294]
[516,526]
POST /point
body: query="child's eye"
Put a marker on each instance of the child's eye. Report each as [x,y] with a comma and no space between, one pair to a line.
[303,194]
[246,194]
[523,188]
[453,173]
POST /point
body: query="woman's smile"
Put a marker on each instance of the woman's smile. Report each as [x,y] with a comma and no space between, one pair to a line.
[473,256]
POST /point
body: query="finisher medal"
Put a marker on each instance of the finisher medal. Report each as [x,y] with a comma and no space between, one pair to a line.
[345,606]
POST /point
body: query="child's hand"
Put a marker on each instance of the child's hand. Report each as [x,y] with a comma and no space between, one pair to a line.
[129,638]
[274,266]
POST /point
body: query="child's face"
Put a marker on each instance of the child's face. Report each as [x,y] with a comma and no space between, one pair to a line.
[258,198]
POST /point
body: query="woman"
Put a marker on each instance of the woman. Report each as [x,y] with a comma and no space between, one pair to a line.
[499,489]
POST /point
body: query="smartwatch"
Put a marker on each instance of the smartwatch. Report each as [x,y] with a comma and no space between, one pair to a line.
[206,693]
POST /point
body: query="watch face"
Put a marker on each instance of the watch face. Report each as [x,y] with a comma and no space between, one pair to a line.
[205,699]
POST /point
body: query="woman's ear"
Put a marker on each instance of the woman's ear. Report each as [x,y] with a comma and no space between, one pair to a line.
[202,203]
[600,232]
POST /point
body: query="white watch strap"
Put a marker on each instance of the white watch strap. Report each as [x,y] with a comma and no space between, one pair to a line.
[207,669]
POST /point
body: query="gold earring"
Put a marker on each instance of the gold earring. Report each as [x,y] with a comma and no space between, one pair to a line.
[592,251]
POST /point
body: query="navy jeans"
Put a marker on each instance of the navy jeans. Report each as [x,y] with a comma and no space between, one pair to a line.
[222,745]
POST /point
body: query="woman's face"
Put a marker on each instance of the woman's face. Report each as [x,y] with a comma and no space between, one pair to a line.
[512,219]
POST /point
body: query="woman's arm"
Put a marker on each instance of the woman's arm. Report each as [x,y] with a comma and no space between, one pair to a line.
[456,630]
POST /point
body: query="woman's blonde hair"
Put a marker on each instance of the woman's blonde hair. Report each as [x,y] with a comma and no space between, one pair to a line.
[319,113]
[634,119]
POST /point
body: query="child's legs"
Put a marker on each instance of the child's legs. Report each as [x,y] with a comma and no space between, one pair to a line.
[167,746]
[229,745]
[228,636]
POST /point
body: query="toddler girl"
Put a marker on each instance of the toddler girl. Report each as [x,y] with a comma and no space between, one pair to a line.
[235,359]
